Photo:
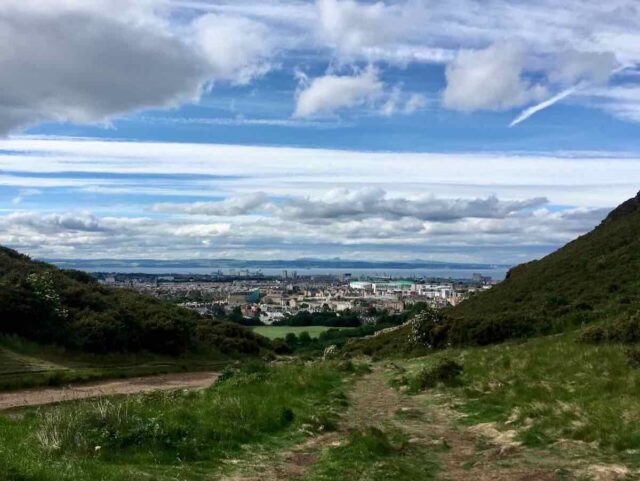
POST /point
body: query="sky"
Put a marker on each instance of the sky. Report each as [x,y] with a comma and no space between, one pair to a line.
[485,131]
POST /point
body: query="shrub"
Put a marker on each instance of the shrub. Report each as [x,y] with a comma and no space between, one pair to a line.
[624,330]
[281,347]
[446,372]
[424,328]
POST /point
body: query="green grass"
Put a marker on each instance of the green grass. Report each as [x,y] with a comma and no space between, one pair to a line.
[274,332]
[26,364]
[373,455]
[182,435]
[550,389]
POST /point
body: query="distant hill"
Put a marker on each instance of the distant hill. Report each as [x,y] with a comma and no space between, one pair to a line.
[172,265]
[596,277]
[43,303]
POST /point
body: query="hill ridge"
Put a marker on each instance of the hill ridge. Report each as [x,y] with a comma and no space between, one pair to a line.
[628,207]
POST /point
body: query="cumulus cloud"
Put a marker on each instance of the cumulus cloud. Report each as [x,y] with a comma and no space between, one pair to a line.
[84,235]
[340,204]
[57,223]
[365,203]
[87,61]
[76,63]
[351,25]
[329,93]
[237,48]
[489,79]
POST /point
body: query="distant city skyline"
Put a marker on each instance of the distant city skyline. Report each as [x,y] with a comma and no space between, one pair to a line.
[471,132]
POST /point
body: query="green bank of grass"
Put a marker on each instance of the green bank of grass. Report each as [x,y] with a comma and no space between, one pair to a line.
[25,364]
[274,332]
[549,389]
[374,455]
[175,435]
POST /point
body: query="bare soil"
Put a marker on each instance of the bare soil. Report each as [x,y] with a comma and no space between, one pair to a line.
[38,396]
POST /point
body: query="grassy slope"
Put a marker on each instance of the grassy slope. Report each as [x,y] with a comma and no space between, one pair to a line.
[550,389]
[593,277]
[179,435]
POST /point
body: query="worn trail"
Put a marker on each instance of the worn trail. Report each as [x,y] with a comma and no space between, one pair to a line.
[374,403]
[38,396]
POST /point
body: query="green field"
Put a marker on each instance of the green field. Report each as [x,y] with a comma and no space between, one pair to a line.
[274,332]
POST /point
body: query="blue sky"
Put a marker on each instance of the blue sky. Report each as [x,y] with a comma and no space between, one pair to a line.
[330,128]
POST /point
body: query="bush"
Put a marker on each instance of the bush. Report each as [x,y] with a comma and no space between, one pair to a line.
[280,346]
[425,327]
[446,372]
[623,330]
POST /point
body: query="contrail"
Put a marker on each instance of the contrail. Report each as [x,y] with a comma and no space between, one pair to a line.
[542,105]
[525,114]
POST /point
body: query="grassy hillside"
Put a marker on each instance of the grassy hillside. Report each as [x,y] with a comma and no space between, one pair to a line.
[595,277]
[48,305]
[550,392]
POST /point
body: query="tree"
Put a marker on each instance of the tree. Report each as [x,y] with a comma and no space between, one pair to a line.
[304,338]
[291,339]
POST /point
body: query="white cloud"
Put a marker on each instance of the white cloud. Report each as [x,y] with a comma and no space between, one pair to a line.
[351,25]
[84,235]
[568,178]
[489,79]
[399,102]
[70,61]
[237,48]
[74,63]
[573,66]
[329,93]
[341,204]
[232,206]
[621,101]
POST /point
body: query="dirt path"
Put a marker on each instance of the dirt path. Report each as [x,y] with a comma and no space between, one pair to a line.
[465,454]
[468,454]
[38,396]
